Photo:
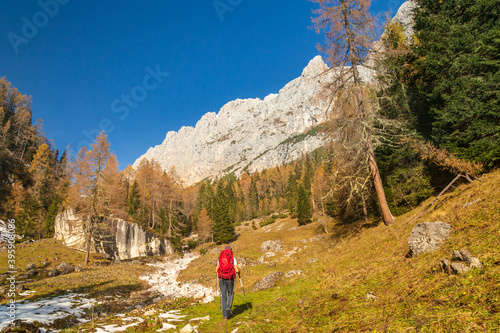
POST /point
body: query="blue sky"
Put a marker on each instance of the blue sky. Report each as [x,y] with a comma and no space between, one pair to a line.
[139,69]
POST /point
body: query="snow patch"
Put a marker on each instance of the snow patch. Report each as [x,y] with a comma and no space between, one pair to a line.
[48,310]
[165,282]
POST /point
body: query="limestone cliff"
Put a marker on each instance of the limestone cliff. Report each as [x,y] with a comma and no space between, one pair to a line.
[123,240]
[254,134]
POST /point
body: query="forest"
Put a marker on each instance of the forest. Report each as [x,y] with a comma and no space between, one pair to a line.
[434,114]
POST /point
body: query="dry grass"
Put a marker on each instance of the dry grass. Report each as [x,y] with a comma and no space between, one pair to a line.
[412,295]
[353,260]
[100,278]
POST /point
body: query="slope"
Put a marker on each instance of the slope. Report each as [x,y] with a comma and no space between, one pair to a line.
[411,294]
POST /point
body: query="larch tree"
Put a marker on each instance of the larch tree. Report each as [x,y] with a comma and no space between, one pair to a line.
[349,31]
[87,191]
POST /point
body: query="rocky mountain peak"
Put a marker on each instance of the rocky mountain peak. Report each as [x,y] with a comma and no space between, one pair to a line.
[249,135]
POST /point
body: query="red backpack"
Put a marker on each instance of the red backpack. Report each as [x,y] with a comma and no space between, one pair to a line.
[226,265]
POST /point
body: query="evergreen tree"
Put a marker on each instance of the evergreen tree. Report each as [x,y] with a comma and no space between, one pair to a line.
[134,202]
[222,227]
[457,71]
[303,206]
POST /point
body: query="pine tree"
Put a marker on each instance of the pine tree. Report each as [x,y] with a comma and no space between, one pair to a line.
[303,206]
[222,227]
[455,78]
[134,202]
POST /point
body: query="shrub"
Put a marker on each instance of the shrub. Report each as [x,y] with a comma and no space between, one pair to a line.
[269,220]
[192,244]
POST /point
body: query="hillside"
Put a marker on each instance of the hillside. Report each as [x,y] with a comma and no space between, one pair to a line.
[338,271]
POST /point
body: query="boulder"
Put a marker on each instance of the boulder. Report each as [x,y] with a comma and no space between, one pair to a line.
[463,261]
[459,268]
[428,237]
[268,281]
[65,268]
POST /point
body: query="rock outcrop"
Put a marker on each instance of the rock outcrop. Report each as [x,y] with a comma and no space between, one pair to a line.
[251,134]
[462,262]
[123,240]
[428,237]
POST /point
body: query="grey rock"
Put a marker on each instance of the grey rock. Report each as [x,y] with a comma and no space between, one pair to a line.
[272,265]
[404,16]
[428,237]
[293,273]
[459,268]
[53,272]
[65,268]
[32,273]
[271,246]
[475,263]
[250,133]
[30,266]
[312,261]
[268,281]
[453,267]
[445,266]
[44,264]
[457,255]
[466,255]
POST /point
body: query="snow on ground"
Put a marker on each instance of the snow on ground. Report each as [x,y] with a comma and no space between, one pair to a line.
[112,328]
[165,282]
[48,310]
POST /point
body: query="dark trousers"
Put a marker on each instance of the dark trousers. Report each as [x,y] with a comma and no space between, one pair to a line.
[227,291]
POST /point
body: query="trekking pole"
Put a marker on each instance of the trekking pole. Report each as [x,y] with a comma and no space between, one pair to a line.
[216,284]
[248,308]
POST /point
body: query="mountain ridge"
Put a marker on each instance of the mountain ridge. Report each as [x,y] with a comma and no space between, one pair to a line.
[226,141]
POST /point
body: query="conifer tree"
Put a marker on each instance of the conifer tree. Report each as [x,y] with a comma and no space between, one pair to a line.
[349,31]
[134,202]
[303,206]
[222,227]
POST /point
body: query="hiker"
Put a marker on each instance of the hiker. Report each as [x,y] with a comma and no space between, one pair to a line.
[227,269]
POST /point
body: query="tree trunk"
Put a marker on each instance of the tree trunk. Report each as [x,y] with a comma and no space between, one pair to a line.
[386,212]
[87,241]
